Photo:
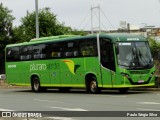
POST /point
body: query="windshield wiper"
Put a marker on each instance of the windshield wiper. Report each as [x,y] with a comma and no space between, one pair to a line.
[129,66]
[124,65]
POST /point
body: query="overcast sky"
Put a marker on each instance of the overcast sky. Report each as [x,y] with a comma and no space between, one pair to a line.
[76,13]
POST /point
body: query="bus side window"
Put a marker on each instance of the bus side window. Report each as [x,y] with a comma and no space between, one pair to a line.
[36,52]
[76,53]
[84,51]
[71,49]
[29,53]
[55,50]
[12,54]
[43,51]
[39,51]
[54,54]
[88,48]
[23,53]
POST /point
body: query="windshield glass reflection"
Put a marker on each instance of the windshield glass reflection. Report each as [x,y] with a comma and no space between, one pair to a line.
[134,55]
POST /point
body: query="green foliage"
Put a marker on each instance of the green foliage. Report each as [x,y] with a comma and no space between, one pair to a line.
[76,32]
[155,48]
[48,26]
[18,35]
[6,32]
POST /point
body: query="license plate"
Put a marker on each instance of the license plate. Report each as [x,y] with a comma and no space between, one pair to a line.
[141,81]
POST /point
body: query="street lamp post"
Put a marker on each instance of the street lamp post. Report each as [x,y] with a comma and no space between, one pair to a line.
[37,20]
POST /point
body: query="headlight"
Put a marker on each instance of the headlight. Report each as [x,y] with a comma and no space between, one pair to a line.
[152,73]
[125,75]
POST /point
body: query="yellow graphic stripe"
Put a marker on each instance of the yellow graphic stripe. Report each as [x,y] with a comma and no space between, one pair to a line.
[52,85]
[70,65]
[63,85]
[124,86]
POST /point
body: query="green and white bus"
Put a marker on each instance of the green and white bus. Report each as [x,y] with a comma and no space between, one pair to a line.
[93,62]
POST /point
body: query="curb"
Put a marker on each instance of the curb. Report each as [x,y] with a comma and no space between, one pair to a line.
[4,85]
[145,89]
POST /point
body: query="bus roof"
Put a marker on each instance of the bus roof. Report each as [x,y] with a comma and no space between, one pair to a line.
[52,38]
[114,37]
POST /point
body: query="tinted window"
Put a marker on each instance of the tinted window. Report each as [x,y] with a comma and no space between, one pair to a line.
[107,54]
[23,53]
[56,50]
[71,49]
[68,49]
[39,51]
[12,54]
[88,48]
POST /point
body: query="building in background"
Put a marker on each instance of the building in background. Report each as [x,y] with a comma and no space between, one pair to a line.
[124,27]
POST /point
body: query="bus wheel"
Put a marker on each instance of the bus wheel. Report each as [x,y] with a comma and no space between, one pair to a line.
[36,85]
[93,86]
[123,90]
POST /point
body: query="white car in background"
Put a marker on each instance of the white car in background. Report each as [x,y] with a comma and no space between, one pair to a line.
[2,76]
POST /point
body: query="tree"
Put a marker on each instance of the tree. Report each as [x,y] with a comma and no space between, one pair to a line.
[6,32]
[18,35]
[48,26]
[155,48]
[6,20]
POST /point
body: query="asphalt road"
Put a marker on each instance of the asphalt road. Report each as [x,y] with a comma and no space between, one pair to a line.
[78,100]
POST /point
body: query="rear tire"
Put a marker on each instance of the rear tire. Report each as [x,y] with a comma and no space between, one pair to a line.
[36,87]
[92,86]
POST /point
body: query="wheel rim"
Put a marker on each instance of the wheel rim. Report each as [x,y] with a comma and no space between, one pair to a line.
[36,85]
[93,86]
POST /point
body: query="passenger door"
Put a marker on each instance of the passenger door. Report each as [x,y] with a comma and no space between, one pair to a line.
[107,63]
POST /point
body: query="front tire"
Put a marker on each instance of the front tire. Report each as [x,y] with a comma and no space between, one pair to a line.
[36,87]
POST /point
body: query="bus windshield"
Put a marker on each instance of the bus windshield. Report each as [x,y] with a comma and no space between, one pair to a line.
[133,55]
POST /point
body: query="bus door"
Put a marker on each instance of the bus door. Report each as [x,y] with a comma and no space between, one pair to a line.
[67,64]
[66,73]
[56,64]
[107,63]
[54,74]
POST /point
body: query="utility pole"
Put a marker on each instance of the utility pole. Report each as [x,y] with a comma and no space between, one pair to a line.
[99,9]
[37,20]
[91,20]
[93,13]
[128,27]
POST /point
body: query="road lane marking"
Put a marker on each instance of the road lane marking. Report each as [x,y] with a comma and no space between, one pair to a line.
[149,103]
[68,109]
[147,109]
[117,96]
[48,101]
[2,109]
